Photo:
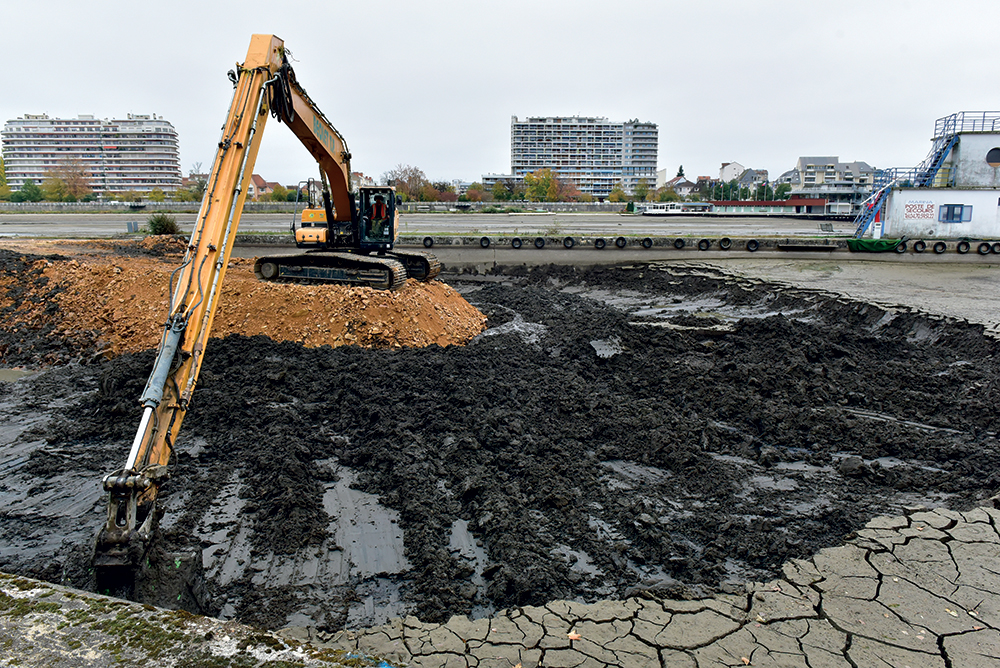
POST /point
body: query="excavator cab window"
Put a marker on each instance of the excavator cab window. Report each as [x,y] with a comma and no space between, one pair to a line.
[378,215]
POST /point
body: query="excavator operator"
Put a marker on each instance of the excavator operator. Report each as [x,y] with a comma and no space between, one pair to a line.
[378,214]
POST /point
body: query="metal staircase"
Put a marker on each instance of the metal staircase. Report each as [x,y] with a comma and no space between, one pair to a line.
[927,171]
[870,207]
[930,172]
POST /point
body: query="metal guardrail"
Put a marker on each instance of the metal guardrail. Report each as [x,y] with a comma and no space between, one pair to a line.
[911,177]
[125,207]
[283,207]
[525,207]
[967,121]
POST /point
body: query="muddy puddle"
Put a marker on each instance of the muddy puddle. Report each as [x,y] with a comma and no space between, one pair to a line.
[614,431]
[13,375]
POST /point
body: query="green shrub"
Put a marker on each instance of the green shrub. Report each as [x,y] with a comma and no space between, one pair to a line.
[162,223]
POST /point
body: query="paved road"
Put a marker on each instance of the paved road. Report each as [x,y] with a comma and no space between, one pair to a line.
[612,224]
[69,225]
[91,225]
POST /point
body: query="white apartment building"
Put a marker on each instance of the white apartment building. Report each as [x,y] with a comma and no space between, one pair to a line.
[730,171]
[844,185]
[139,152]
[595,154]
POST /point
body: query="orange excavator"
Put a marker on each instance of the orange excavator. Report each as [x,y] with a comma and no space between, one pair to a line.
[350,240]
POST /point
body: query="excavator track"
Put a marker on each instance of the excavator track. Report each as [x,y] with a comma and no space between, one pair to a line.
[380,272]
[420,265]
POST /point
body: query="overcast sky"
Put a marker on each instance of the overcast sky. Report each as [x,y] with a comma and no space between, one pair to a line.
[434,84]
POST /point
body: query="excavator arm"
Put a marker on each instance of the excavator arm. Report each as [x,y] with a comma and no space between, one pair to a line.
[292,105]
[264,83]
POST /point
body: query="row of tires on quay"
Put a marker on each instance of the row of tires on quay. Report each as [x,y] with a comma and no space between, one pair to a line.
[725,243]
[599,243]
[961,247]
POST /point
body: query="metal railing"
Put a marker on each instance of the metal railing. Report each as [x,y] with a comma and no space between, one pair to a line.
[914,177]
[967,121]
[126,207]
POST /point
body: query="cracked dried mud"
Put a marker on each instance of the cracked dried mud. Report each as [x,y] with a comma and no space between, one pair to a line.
[913,590]
[624,435]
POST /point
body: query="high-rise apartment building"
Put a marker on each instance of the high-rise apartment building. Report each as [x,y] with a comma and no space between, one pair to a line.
[139,152]
[593,153]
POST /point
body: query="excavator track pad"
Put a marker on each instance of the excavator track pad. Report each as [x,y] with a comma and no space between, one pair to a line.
[420,265]
[380,272]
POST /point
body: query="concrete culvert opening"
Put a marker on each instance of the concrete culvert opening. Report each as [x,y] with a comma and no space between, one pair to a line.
[659,428]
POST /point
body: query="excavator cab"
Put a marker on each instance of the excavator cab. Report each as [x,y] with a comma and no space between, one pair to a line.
[377,228]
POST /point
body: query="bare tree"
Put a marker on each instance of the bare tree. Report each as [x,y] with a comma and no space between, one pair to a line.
[407,179]
[197,181]
[76,178]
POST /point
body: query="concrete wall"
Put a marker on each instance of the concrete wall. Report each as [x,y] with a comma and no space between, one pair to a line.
[969,161]
[914,212]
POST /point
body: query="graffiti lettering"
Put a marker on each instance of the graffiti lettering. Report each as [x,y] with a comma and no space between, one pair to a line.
[919,211]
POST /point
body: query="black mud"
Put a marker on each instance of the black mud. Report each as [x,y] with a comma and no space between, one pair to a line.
[32,342]
[617,430]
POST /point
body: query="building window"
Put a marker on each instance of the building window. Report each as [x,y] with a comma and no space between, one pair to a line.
[993,157]
[955,213]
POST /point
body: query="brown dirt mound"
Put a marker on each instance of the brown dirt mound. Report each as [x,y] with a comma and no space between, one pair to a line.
[120,292]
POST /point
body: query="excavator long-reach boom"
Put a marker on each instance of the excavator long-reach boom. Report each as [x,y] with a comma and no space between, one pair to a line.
[264,84]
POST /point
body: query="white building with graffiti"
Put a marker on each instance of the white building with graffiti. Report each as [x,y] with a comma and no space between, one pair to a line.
[953,194]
